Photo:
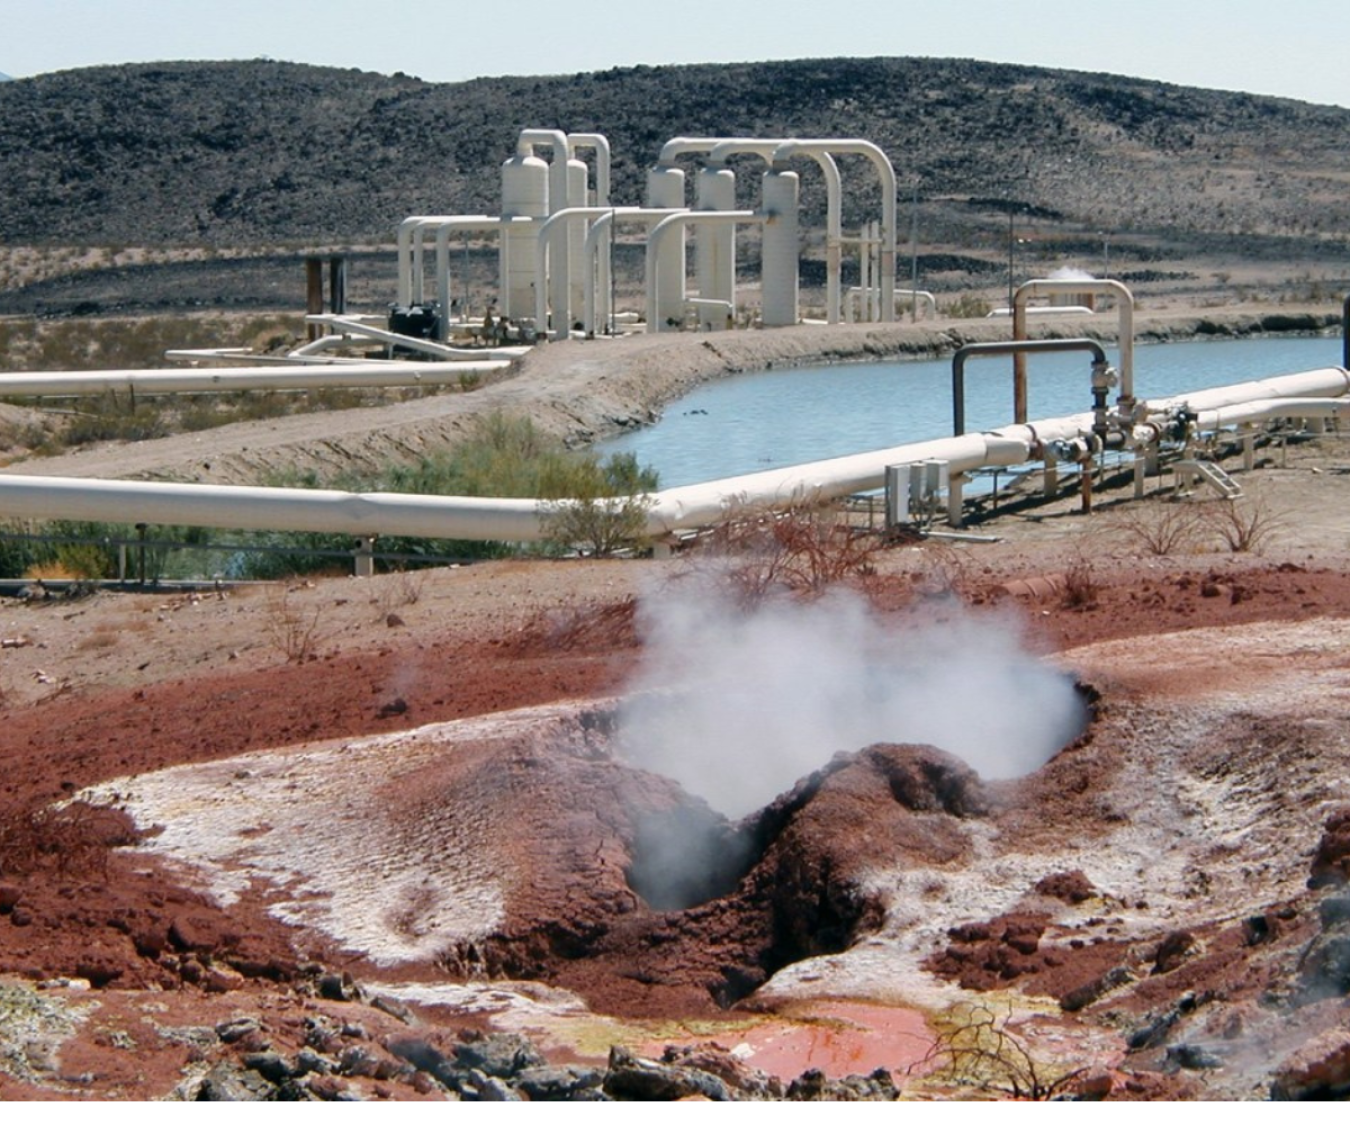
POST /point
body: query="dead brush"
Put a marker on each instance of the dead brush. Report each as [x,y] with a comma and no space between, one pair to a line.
[977,1048]
[1080,588]
[1243,525]
[291,630]
[71,841]
[397,591]
[803,551]
[1161,528]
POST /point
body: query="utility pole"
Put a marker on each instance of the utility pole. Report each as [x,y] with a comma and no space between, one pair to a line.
[914,253]
[1010,256]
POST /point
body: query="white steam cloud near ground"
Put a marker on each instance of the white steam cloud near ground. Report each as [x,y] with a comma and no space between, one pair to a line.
[738,706]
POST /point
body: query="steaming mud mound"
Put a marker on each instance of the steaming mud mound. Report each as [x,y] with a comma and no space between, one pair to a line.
[513,846]
[795,877]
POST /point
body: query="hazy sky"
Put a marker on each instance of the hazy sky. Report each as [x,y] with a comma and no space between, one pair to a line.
[1292,48]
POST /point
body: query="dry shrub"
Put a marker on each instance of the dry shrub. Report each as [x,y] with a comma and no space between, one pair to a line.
[69,841]
[400,589]
[1080,586]
[802,551]
[291,630]
[1243,525]
[1160,527]
[579,628]
[977,1048]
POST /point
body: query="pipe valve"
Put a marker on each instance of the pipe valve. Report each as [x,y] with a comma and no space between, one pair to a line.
[1181,423]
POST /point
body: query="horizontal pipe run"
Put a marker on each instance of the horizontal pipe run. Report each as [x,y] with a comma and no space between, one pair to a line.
[670,510]
[269,509]
[226,380]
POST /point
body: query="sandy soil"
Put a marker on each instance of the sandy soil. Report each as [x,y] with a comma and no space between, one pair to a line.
[414,780]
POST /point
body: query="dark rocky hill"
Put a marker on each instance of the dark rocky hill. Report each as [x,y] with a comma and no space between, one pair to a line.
[266,155]
[235,153]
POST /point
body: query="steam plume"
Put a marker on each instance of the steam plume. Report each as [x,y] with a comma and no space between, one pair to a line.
[737,706]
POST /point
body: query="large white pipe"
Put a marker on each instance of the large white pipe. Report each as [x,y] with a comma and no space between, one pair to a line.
[269,509]
[381,373]
[690,506]
[1321,382]
[598,240]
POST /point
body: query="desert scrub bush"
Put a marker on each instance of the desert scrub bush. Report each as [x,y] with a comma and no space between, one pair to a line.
[90,550]
[500,456]
[1080,586]
[599,507]
[967,306]
[1243,525]
[803,551]
[1160,527]
[116,418]
[294,631]
[68,841]
[81,343]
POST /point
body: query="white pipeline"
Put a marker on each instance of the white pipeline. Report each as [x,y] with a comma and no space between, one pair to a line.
[674,509]
[381,373]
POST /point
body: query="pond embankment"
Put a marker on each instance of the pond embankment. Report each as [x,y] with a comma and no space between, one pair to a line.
[584,391]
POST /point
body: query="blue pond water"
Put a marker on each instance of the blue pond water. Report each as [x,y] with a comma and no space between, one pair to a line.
[750,422]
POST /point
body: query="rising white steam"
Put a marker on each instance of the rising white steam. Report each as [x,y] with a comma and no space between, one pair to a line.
[738,706]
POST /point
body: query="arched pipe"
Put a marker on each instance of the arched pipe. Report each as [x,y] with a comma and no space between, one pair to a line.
[1047,287]
[834,190]
[598,239]
[846,146]
[1011,347]
[857,293]
[599,143]
[410,266]
[547,235]
[662,232]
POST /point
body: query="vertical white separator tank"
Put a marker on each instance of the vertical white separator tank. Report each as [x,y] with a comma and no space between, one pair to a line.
[595,267]
[715,246]
[578,195]
[524,196]
[665,190]
[780,254]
